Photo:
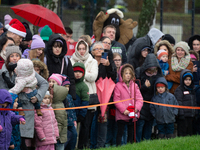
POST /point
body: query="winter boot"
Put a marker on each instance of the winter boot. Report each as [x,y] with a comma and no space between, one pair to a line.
[169,136]
[161,136]
[38,111]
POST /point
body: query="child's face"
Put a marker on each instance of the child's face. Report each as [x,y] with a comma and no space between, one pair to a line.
[164,58]
[46,99]
[161,89]
[37,69]
[15,104]
[118,61]
[127,75]
[67,86]
[187,81]
[152,71]
[78,74]
[52,82]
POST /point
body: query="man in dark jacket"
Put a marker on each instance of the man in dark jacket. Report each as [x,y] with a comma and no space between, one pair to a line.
[116,47]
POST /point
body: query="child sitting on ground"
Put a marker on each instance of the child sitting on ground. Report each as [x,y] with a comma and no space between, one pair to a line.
[46,127]
[7,119]
[165,116]
[26,82]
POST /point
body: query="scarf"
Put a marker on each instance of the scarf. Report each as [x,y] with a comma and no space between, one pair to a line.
[78,58]
[178,66]
[3,54]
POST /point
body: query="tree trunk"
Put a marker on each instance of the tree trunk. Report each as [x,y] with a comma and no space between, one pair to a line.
[146,17]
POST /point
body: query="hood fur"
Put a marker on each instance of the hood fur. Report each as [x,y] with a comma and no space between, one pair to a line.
[194,53]
[44,72]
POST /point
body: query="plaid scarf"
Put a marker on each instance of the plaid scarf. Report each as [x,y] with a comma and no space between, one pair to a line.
[182,64]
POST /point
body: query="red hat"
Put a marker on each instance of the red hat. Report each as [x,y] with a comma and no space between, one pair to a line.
[15,26]
[77,68]
[160,85]
[160,53]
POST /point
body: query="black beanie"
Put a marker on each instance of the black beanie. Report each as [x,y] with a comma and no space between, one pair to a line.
[28,35]
[169,38]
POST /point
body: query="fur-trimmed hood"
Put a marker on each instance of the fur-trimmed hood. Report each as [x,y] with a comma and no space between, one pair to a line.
[44,72]
[169,46]
[195,54]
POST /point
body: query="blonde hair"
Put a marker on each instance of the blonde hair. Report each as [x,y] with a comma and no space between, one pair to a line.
[87,39]
[33,54]
[116,54]
[131,69]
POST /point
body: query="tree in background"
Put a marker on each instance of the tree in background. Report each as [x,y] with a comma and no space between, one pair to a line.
[146,17]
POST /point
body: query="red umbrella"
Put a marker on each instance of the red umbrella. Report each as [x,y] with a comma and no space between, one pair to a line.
[105,88]
[40,16]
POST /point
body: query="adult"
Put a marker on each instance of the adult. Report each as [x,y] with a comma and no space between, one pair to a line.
[106,69]
[116,47]
[7,81]
[194,43]
[165,45]
[37,49]
[16,31]
[180,60]
[68,36]
[26,42]
[57,62]
[81,54]
[1,29]
[153,36]
[170,39]
[4,42]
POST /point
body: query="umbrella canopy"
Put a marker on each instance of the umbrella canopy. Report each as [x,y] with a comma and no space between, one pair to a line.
[40,16]
[105,88]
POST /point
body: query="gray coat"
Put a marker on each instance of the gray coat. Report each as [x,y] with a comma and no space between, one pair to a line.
[164,114]
[26,130]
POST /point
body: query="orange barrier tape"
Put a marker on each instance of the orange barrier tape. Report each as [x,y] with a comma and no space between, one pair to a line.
[166,105]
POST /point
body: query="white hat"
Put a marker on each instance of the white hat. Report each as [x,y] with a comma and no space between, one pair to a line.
[15,26]
[115,10]
[160,53]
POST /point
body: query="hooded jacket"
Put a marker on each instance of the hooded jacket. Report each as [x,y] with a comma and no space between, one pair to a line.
[185,97]
[163,114]
[54,63]
[82,91]
[25,76]
[148,92]
[7,119]
[148,40]
[91,68]
[46,126]
[59,95]
[122,92]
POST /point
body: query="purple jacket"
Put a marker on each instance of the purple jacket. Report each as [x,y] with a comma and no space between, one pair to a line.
[7,119]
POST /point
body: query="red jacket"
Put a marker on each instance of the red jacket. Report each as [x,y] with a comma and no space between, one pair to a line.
[1,62]
[46,127]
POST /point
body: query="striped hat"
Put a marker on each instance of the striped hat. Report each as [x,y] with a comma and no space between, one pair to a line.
[58,78]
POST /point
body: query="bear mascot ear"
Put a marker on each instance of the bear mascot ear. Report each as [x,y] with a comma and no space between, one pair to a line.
[98,24]
[126,30]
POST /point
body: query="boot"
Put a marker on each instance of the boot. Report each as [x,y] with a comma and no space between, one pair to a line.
[21,113]
[169,136]
[161,136]
[39,113]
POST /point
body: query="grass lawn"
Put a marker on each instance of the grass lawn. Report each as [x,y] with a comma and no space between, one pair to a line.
[179,143]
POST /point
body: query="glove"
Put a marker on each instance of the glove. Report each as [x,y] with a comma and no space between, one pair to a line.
[80,118]
[7,80]
[12,66]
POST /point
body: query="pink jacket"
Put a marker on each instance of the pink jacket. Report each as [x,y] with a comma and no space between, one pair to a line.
[122,92]
[46,127]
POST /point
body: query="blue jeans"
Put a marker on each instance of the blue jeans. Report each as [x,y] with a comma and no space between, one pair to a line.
[166,128]
[143,129]
[71,138]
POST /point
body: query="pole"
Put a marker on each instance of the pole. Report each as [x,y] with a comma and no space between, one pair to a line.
[61,3]
[161,15]
[193,12]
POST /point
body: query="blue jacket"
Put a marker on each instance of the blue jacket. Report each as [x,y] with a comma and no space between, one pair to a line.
[79,102]
[164,66]
[163,114]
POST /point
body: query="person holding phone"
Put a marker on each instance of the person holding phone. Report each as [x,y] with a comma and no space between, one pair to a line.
[105,69]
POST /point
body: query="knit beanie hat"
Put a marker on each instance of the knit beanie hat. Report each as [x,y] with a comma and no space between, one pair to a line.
[37,42]
[169,38]
[183,45]
[160,53]
[7,19]
[66,82]
[12,49]
[46,32]
[58,78]
[40,29]
[193,56]
[160,85]
[28,35]
[77,68]
[47,93]
[188,74]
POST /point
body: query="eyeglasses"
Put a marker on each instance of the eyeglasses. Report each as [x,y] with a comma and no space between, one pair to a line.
[99,49]
[106,43]
[117,60]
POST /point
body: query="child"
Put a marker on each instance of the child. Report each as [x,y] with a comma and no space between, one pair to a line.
[26,82]
[82,98]
[125,89]
[7,119]
[59,94]
[185,95]
[46,126]
[162,56]
[40,68]
[71,118]
[165,116]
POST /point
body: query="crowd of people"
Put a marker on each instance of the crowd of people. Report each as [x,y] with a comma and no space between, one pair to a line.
[35,73]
